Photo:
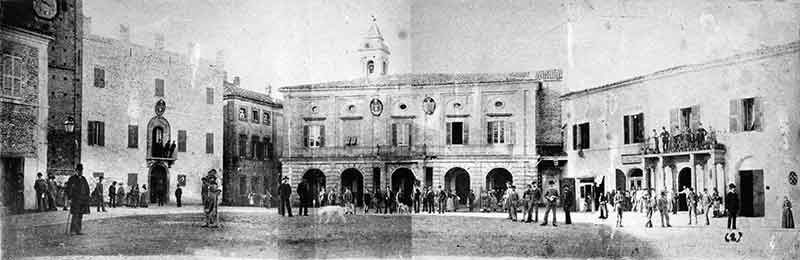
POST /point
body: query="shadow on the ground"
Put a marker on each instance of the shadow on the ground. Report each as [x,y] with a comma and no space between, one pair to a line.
[271,236]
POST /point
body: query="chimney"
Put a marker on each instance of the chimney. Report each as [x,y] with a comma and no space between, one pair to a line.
[124,33]
[87,25]
[220,60]
[158,41]
[236,81]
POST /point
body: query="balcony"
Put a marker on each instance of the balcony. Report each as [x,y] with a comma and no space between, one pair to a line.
[167,156]
[388,152]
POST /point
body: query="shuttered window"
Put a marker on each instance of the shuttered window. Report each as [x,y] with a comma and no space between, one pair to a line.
[401,134]
[133,136]
[457,133]
[159,87]
[500,132]
[99,78]
[96,133]
[313,135]
[580,136]
[242,145]
[633,128]
[268,147]
[209,142]
[255,147]
[133,179]
[746,115]
[181,140]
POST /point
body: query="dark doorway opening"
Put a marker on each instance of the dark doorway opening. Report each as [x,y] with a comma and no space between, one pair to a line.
[315,180]
[13,185]
[403,179]
[751,193]
[684,182]
[497,180]
[457,180]
[619,179]
[636,179]
[353,180]
[158,184]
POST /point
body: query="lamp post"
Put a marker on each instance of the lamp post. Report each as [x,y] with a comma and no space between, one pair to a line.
[69,127]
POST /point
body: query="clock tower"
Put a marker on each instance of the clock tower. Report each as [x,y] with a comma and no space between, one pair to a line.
[373,52]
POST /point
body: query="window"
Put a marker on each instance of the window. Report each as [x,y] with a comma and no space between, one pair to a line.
[268,147]
[314,135]
[159,87]
[634,128]
[267,120]
[242,114]
[500,132]
[209,143]
[580,136]
[747,114]
[133,179]
[181,140]
[401,134]
[99,77]
[686,118]
[351,130]
[242,145]
[209,96]
[242,184]
[254,147]
[133,136]
[683,119]
[255,116]
[457,133]
[12,76]
[96,133]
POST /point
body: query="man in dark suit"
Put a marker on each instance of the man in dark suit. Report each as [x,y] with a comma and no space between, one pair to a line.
[534,196]
[567,203]
[551,198]
[78,193]
[304,192]
[389,199]
[178,194]
[284,191]
[732,205]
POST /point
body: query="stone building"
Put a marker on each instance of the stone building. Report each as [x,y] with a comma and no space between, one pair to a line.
[747,101]
[151,116]
[252,144]
[41,90]
[460,131]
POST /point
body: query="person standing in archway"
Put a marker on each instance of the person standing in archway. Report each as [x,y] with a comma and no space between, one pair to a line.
[78,193]
[304,192]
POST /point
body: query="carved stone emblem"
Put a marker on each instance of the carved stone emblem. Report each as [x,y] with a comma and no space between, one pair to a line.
[376,107]
[428,105]
[160,107]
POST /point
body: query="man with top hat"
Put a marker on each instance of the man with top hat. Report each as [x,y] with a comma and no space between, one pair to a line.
[78,193]
[567,201]
[512,199]
[284,192]
[732,205]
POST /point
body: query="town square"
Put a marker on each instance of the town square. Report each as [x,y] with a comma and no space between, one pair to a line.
[397,129]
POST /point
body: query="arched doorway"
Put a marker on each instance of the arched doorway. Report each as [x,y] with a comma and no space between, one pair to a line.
[353,179]
[636,179]
[158,183]
[403,179]
[619,179]
[684,181]
[315,180]
[158,137]
[497,180]
[457,180]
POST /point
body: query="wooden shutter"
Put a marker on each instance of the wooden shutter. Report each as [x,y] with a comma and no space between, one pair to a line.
[465,136]
[410,131]
[91,135]
[181,140]
[575,137]
[321,136]
[209,143]
[626,123]
[305,136]
[758,113]
[735,116]
[448,131]
[694,121]
[674,119]
[101,134]
[394,134]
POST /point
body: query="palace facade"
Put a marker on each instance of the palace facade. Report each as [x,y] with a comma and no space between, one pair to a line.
[457,131]
[746,103]
[152,116]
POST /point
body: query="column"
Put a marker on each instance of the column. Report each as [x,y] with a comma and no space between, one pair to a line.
[692,171]
[721,179]
[668,180]
[659,176]
[701,180]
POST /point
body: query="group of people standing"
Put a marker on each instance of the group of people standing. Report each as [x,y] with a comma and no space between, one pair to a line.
[681,139]
[135,197]
[47,192]
[210,192]
[530,201]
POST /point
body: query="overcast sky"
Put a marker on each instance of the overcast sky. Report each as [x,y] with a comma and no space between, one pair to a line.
[285,42]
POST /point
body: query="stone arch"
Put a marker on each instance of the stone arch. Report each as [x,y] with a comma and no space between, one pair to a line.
[158,129]
[635,179]
[457,180]
[403,179]
[158,182]
[620,179]
[684,180]
[353,179]
[315,178]
[497,179]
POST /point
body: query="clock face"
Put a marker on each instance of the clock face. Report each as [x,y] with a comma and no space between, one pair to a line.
[45,8]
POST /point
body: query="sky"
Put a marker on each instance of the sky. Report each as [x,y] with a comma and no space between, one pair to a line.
[288,42]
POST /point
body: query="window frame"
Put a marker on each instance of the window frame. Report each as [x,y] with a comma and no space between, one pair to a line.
[160,89]
[255,115]
[209,143]
[242,114]
[101,82]
[133,136]
[12,77]
[182,136]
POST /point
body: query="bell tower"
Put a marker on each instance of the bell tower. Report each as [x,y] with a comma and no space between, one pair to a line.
[374,52]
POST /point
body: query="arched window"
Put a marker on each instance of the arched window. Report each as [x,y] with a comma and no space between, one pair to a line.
[385,68]
[370,67]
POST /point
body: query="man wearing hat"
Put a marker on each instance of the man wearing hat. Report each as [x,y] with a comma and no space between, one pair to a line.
[40,185]
[732,205]
[567,201]
[78,193]
[304,192]
[511,202]
[212,201]
[284,191]
[52,189]
[551,198]
[534,195]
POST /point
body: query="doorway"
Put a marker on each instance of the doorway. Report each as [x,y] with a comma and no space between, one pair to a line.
[158,184]
[13,185]
[497,180]
[457,180]
[315,180]
[751,193]
[353,180]
[619,179]
[684,181]
[403,179]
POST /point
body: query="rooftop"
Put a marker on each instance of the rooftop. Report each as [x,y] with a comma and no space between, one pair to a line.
[233,91]
[427,79]
[761,53]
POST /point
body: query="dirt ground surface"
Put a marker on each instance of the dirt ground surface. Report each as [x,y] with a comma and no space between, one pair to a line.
[260,233]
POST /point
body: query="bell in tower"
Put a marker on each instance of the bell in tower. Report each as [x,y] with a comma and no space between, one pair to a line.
[374,52]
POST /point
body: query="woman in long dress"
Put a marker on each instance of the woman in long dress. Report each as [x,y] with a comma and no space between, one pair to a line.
[450,203]
[144,197]
[788,218]
[211,209]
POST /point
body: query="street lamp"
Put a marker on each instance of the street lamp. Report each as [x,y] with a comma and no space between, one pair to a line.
[69,125]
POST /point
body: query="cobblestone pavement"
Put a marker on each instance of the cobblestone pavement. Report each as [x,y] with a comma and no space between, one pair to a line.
[260,233]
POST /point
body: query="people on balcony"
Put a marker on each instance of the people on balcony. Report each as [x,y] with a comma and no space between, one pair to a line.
[680,140]
[162,149]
